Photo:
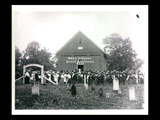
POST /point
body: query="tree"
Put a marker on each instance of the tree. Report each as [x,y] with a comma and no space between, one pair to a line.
[138,64]
[34,54]
[17,55]
[45,59]
[18,68]
[121,55]
[54,61]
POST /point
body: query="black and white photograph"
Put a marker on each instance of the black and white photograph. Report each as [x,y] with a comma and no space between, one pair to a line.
[80,59]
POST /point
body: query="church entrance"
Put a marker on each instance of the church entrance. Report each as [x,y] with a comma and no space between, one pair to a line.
[80,67]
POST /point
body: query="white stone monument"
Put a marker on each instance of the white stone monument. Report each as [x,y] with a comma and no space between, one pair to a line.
[35,88]
[115,83]
[132,93]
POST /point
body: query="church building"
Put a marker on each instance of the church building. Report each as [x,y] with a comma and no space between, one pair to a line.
[81,53]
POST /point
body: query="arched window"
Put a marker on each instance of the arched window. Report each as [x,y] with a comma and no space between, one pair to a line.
[80,41]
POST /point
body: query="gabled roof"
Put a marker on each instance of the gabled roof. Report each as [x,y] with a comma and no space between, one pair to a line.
[73,38]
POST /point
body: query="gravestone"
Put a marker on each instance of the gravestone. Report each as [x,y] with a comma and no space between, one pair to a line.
[132,93]
[100,92]
[86,86]
[92,88]
[35,88]
[119,91]
[115,83]
[107,95]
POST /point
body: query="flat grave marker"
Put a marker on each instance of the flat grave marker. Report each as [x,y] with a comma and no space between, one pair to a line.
[119,91]
[107,95]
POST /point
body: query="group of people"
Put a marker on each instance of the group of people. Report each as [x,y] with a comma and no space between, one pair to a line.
[66,77]
[90,77]
[76,76]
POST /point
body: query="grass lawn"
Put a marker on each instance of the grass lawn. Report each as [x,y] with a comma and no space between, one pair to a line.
[59,97]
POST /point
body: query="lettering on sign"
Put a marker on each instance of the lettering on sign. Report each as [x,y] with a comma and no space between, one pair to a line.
[79,60]
[69,61]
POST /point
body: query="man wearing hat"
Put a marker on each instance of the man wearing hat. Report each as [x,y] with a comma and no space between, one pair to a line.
[73,90]
[36,76]
[74,76]
[27,76]
[59,76]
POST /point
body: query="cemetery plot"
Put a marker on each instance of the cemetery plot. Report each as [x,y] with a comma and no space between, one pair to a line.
[59,97]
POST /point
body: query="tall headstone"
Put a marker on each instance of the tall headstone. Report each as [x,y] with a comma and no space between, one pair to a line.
[132,93]
[115,83]
[35,88]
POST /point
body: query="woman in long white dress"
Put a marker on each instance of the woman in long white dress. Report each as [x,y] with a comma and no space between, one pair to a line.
[62,78]
[65,78]
[56,77]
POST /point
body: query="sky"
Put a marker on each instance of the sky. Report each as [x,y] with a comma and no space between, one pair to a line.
[53,26]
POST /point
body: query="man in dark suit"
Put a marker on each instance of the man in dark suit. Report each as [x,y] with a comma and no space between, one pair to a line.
[27,77]
[36,76]
[73,90]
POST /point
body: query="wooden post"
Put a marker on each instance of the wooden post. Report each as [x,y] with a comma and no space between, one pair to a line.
[24,69]
[42,74]
[85,79]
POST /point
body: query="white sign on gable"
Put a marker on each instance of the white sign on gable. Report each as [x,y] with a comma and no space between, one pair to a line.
[80,48]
